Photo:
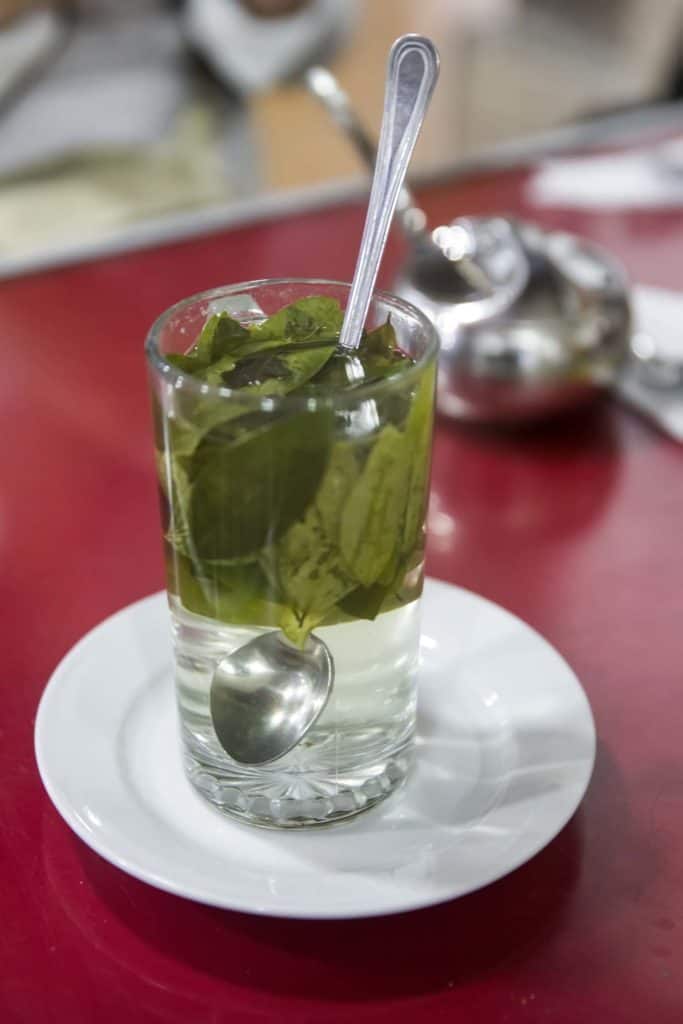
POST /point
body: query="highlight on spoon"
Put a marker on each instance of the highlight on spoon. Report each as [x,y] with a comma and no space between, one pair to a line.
[267,695]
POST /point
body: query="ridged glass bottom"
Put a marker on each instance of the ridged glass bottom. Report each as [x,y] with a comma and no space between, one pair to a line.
[358,753]
[288,800]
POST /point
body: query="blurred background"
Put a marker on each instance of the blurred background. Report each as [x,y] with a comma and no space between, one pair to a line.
[117,116]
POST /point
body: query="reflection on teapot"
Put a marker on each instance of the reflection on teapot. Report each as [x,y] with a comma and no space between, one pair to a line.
[543,339]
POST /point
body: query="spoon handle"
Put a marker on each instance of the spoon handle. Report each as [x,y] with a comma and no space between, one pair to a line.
[411,76]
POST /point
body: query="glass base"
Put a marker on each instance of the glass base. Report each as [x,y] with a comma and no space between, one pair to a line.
[285,798]
[357,753]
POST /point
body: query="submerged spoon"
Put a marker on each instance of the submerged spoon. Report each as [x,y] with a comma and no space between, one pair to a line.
[267,694]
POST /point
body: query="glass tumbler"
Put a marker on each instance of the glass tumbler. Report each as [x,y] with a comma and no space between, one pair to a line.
[302,511]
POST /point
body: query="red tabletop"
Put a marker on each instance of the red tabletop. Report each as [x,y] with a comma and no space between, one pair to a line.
[575,527]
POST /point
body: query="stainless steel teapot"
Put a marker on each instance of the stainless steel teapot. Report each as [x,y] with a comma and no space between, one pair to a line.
[551,334]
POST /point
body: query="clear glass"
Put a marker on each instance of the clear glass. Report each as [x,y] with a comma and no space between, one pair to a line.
[229,581]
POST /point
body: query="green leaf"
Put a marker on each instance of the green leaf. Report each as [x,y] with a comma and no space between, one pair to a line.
[219,336]
[381,341]
[342,472]
[373,515]
[162,475]
[378,367]
[196,415]
[202,350]
[308,562]
[228,335]
[297,629]
[247,492]
[240,595]
[340,373]
[183,436]
[184,363]
[396,587]
[311,575]
[399,579]
[214,374]
[175,487]
[191,415]
[418,441]
[364,602]
[334,375]
[312,318]
[252,346]
[266,373]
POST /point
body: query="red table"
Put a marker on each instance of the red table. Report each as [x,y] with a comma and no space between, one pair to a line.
[575,527]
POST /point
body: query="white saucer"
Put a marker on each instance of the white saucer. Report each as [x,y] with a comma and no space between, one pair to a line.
[506,749]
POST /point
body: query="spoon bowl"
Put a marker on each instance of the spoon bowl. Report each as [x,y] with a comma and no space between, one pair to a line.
[265,696]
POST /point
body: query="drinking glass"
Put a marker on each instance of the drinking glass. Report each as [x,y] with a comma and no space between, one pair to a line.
[303,511]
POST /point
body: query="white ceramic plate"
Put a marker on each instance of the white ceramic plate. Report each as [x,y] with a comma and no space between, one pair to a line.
[505,751]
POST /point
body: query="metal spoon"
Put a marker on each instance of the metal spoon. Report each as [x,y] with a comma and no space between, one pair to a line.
[411,76]
[266,695]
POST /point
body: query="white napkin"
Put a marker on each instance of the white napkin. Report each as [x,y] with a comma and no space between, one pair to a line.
[645,179]
[658,316]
